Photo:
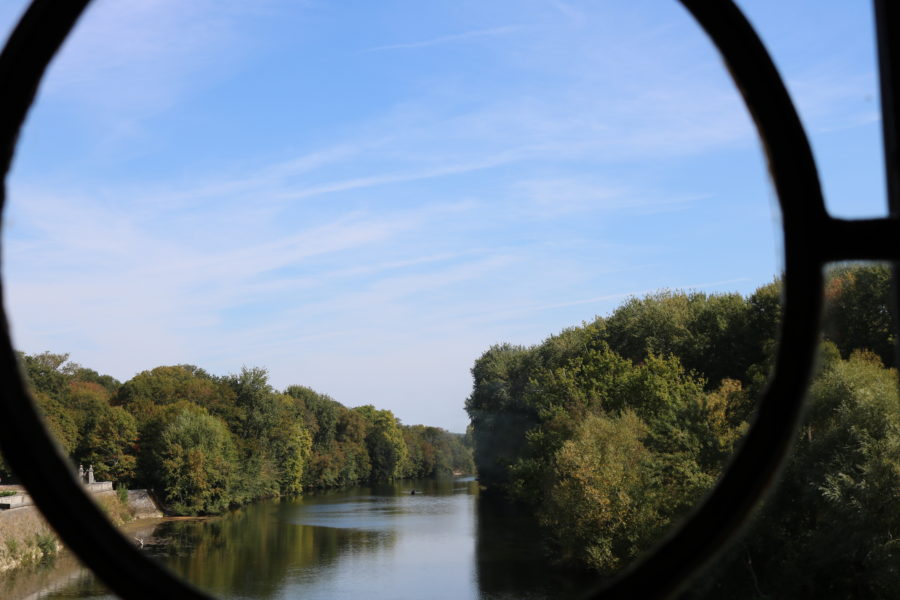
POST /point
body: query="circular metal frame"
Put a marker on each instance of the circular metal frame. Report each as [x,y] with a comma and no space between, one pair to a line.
[811,239]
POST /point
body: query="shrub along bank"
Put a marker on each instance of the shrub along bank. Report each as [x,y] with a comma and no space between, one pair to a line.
[26,539]
[611,431]
[205,443]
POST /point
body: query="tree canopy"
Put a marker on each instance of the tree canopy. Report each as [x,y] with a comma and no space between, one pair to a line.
[206,443]
[612,431]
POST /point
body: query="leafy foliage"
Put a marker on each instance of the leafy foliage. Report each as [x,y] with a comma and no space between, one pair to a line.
[857,314]
[197,463]
[595,512]
[611,431]
[108,444]
[206,443]
[828,530]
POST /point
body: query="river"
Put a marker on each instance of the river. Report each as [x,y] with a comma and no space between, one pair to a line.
[445,541]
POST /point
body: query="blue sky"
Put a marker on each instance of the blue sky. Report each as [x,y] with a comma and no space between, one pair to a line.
[362,197]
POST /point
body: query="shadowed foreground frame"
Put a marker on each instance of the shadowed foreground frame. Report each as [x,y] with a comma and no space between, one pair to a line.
[811,240]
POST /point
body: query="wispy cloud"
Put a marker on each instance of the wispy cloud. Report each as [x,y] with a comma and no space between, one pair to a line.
[393,218]
[450,39]
[600,303]
[380,180]
[125,64]
[562,196]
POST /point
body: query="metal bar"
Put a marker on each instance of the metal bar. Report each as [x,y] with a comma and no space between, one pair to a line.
[26,54]
[670,566]
[887,35]
[811,240]
[860,239]
[24,441]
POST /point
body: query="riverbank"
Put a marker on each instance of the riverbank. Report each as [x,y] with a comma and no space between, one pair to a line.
[26,539]
[378,541]
[64,569]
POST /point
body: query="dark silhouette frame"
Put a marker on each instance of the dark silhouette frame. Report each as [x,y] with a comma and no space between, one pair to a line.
[812,238]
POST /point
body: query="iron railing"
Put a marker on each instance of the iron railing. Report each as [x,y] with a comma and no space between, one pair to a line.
[812,238]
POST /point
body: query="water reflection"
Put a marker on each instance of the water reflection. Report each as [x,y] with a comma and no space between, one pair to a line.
[251,552]
[511,559]
[384,542]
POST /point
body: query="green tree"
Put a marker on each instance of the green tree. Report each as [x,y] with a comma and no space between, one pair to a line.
[197,462]
[291,446]
[45,372]
[710,334]
[496,407]
[257,403]
[145,393]
[322,414]
[384,440]
[257,412]
[595,512]
[828,530]
[60,420]
[857,313]
[109,444]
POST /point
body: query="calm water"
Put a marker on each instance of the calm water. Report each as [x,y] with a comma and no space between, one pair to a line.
[444,542]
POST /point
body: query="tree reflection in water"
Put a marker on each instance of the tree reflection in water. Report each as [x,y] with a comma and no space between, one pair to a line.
[511,559]
[245,555]
[445,541]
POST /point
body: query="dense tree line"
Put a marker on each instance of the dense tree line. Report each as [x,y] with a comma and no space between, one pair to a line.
[609,432]
[205,443]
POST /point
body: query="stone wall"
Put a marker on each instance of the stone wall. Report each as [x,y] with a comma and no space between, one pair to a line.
[98,486]
[142,505]
[26,538]
[23,499]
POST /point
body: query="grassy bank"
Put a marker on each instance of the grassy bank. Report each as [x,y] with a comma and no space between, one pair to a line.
[27,540]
